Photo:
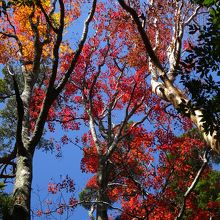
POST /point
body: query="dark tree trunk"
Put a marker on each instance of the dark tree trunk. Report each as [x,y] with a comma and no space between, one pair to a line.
[102,179]
[102,212]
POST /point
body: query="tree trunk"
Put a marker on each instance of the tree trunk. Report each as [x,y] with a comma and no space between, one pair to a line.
[102,198]
[102,212]
[176,97]
[22,188]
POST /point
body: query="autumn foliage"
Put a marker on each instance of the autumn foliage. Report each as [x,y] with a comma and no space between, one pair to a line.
[142,155]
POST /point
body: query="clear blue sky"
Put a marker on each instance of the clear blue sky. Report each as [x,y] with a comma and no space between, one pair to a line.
[47,167]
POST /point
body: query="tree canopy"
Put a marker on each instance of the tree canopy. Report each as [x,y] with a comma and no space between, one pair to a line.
[142,83]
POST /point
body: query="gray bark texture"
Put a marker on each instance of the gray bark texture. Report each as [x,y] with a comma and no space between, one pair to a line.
[22,188]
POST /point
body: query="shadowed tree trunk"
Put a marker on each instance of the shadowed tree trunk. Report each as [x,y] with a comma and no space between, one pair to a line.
[102,179]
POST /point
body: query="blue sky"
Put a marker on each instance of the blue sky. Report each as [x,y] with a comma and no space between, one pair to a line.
[47,166]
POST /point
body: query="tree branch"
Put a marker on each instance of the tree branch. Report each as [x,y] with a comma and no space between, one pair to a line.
[9,157]
[79,49]
[20,113]
[166,89]
[47,17]
[143,34]
[192,186]
[52,93]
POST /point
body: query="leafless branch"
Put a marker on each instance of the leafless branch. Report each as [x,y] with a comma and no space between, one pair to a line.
[4,170]
[192,16]
[9,157]
[193,184]
[7,176]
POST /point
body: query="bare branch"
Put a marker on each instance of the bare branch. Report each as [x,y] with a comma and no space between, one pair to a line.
[3,97]
[4,172]
[143,34]
[7,176]
[192,16]
[56,49]
[118,137]
[98,73]
[192,186]
[79,50]
[9,157]
[105,203]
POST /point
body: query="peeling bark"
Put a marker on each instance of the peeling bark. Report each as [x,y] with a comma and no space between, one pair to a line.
[162,81]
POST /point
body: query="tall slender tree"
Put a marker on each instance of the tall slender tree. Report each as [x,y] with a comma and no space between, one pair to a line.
[32,35]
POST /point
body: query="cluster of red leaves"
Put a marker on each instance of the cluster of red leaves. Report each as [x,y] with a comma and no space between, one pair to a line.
[178,164]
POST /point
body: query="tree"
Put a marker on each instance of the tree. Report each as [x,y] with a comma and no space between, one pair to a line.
[163,77]
[107,89]
[105,82]
[32,38]
[108,80]
[126,33]
[150,189]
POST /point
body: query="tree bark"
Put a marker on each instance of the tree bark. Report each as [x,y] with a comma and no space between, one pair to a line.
[102,179]
[176,97]
[101,212]
[162,81]
[22,188]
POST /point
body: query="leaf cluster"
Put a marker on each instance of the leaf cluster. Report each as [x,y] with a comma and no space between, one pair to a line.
[7,4]
[6,202]
[207,189]
[201,68]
